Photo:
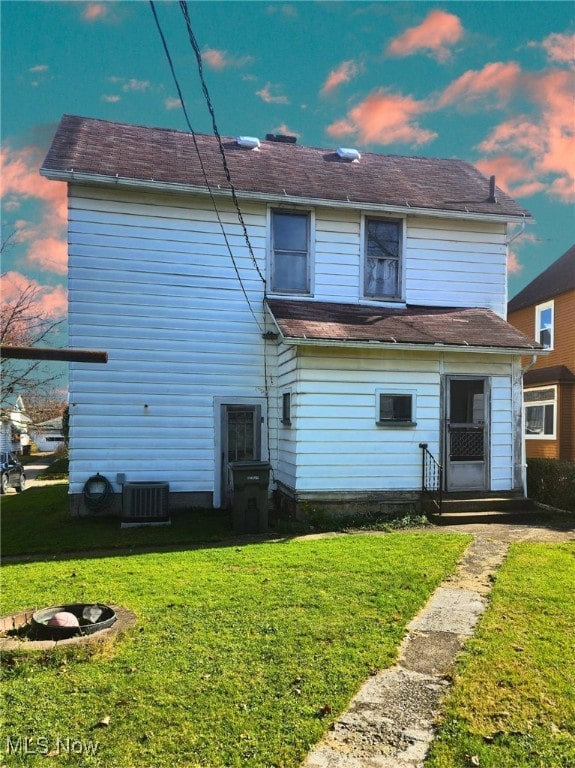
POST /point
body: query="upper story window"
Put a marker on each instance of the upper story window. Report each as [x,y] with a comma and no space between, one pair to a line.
[382,268]
[290,252]
[544,324]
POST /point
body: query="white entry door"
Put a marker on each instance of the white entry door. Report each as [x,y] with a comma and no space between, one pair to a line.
[467,433]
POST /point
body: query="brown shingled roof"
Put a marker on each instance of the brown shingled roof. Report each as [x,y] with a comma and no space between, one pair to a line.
[330,322]
[558,278]
[132,152]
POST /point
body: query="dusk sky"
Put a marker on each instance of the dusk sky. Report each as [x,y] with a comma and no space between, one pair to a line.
[487,82]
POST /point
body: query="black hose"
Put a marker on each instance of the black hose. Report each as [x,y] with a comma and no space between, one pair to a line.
[98,492]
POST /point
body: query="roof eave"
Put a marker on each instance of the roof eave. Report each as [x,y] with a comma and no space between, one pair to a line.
[405,347]
[72,176]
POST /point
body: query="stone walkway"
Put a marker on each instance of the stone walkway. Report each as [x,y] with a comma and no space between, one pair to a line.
[390,722]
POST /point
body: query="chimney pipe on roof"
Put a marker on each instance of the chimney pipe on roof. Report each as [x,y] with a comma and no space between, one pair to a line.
[281,138]
[492,194]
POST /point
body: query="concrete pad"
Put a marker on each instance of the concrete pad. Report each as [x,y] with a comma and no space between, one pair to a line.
[389,723]
[450,610]
[430,653]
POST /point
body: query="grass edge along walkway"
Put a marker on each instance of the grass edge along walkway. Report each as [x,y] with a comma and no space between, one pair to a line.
[513,700]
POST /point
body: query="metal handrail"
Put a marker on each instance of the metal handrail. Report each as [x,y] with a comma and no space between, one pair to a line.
[431,477]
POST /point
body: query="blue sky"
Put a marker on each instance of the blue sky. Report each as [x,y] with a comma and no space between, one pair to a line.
[488,82]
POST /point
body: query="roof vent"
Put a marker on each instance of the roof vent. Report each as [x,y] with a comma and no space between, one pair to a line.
[248,142]
[346,153]
[281,138]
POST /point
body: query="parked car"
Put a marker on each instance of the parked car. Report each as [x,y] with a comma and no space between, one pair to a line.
[12,473]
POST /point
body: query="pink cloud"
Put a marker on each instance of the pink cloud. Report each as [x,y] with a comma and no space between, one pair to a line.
[95,12]
[51,301]
[514,266]
[340,75]
[434,36]
[560,48]
[542,144]
[513,174]
[219,59]
[284,130]
[266,95]
[496,78]
[384,118]
[21,181]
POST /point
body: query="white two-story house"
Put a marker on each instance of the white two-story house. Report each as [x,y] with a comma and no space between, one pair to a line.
[329,313]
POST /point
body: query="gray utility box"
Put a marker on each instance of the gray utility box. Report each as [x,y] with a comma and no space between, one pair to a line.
[250,481]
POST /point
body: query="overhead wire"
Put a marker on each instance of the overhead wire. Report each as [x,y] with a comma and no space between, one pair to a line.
[204,172]
[197,52]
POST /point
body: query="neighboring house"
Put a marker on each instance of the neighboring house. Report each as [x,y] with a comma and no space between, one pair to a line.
[14,426]
[545,310]
[48,435]
[359,314]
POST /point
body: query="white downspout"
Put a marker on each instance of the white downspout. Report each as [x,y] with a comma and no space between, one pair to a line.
[524,370]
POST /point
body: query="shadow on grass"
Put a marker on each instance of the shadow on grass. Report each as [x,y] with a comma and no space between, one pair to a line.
[36,526]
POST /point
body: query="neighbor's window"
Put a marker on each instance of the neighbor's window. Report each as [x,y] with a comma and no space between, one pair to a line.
[540,409]
[396,410]
[290,252]
[383,243]
[544,324]
[286,408]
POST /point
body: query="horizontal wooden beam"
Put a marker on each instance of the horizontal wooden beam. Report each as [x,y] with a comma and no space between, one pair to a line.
[48,353]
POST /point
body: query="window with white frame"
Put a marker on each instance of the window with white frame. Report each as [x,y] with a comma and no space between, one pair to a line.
[382,266]
[395,409]
[540,406]
[544,324]
[290,252]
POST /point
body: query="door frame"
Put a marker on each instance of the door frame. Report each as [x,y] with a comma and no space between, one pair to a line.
[219,494]
[446,389]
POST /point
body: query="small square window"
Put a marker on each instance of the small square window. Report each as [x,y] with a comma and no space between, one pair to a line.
[286,408]
[396,410]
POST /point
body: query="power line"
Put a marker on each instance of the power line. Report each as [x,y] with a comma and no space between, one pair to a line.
[194,43]
[205,175]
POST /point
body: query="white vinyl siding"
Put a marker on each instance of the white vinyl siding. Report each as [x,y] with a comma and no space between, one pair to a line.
[453,263]
[151,282]
[339,446]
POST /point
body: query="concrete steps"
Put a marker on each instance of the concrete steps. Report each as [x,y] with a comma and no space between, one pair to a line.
[466,509]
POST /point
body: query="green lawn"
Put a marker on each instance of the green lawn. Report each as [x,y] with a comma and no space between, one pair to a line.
[242,655]
[38,521]
[513,704]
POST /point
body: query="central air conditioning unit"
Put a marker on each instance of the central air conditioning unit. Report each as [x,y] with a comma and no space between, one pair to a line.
[145,504]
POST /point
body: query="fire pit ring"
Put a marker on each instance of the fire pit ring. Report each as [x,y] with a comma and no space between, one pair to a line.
[88,618]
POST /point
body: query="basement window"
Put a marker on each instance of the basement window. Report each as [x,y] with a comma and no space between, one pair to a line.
[396,409]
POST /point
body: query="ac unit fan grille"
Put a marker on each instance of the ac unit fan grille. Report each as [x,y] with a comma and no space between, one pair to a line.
[146,502]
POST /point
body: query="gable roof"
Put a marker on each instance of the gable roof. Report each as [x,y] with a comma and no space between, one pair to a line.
[314,321]
[99,151]
[558,278]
